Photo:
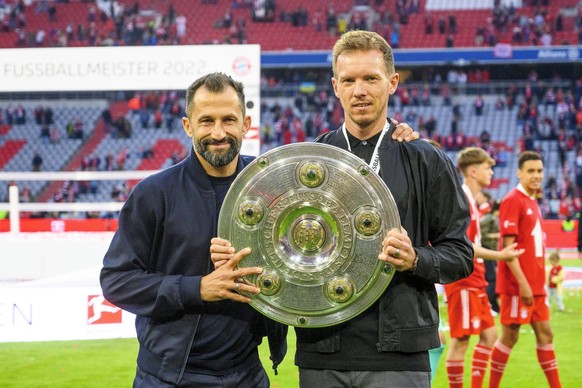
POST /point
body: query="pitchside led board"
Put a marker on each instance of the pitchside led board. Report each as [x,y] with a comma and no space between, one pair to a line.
[134,68]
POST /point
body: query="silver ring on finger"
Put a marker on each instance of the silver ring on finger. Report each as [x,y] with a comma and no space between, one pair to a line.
[397,253]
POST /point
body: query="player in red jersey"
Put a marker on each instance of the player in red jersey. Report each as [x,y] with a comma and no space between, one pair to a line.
[520,283]
[467,301]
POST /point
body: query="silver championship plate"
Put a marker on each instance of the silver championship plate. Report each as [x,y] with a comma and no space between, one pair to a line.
[314,217]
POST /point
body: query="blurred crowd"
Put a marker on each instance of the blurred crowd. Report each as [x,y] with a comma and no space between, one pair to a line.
[109,23]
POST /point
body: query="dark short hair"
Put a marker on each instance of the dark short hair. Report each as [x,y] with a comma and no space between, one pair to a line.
[215,83]
[528,155]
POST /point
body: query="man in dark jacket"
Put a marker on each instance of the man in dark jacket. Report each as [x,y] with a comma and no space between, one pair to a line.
[193,327]
[387,345]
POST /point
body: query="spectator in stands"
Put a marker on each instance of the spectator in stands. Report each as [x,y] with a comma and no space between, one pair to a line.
[425,96]
[227,19]
[442,25]
[546,39]
[452,24]
[158,118]
[428,23]
[485,138]
[565,206]
[445,93]
[479,104]
[38,113]
[107,119]
[25,194]
[331,20]
[20,115]
[317,20]
[430,126]
[52,11]
[173,115]
[124,128]
[70,32]
[181,23]
[182,309]
[402,11]
[134,104]
[36,162]
[92,14]
[45,134]
[40,36]
[395,36]
[70,129]
[144,117]
[78,131]
[81,32]
[450,41]
[363,79]
[176,158]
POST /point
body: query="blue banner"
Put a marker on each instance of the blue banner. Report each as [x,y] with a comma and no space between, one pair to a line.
[500,54]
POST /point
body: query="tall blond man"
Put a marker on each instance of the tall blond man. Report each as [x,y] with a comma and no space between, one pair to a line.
[387,345]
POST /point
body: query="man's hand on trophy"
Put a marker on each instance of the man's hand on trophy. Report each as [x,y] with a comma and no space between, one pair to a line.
[397,250]
[221,251]
[227,281]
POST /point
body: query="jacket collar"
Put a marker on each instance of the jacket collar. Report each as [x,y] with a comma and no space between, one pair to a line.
[195,171]
[386,140]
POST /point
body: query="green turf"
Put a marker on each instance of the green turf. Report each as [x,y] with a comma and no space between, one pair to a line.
[111,363]
[523,369]
[73,364]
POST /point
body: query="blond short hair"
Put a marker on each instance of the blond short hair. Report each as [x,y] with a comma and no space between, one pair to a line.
[358,40]
[473,155]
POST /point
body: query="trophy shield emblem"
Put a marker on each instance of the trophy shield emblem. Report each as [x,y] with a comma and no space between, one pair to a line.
[314,216]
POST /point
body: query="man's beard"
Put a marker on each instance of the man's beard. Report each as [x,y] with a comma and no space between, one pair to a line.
[217,159]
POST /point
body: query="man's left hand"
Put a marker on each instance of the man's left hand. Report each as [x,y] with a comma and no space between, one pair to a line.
[403,132]
[397,250]
[221,251]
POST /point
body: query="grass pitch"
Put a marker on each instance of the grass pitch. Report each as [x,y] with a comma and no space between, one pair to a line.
[111,363]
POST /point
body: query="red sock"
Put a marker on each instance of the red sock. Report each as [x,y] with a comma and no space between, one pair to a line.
[481,356]
[455,370]
[499,358]
[549,364]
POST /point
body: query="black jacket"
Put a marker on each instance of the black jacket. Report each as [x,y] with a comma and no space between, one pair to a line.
[434,211]
[155,262]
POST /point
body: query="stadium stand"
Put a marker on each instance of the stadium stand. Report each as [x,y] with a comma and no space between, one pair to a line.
[289,25]
[127,143]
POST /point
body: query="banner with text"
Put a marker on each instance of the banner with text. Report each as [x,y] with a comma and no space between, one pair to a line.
[134,68]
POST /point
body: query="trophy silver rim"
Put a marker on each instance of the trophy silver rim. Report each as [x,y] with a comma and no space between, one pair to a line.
[317,241]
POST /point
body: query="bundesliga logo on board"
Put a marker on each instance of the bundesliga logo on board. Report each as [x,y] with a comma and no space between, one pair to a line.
[100,311]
